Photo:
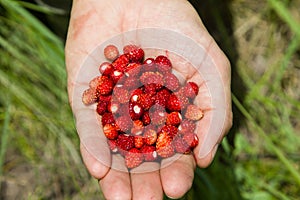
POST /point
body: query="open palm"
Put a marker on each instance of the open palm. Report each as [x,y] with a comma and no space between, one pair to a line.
[95,21]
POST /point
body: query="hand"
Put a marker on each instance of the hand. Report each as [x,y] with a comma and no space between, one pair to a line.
[92,23]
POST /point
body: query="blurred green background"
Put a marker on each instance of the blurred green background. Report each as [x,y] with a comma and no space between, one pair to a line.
[260,157]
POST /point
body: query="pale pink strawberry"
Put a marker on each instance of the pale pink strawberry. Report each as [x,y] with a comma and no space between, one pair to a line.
[111,52]
[180,145]
[158,117]
[193,112]
[121,94]
[191,139]
[186,126]
[124,123]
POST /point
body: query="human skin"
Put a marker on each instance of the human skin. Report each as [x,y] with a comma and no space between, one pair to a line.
[92,22]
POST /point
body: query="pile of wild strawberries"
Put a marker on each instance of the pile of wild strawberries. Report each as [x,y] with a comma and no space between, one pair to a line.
[146,113]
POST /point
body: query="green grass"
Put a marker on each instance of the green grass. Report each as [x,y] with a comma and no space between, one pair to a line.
[40,147]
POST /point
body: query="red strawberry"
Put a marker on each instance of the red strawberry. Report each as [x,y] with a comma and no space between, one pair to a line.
[163,64]
[191,139]
[89,96]
[107,118]
[113,107]
[138,141]
[135,110]
[191,89]
[111,52]
[158,117]
[120,63]
[187,126]
[135,95]
[101,107]
[164,146]
[149,65]
[146,118]
[134,53]
[170,130]
[121,94]
[151,88]
[106,68]
[131,83]
[171,82]
[162,97]
[110,131]
[117,76]
[174,118]
[105,98]
[149,153]
[133,158]
[138,127]
[112,145]
[173,103]
[124,123]
[132,70]
[193,112]
[150,135]
[124,143]
[152,77]
[105,85]
[146,101]
[180,145]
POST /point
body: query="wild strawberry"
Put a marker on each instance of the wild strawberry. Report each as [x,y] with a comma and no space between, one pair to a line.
[187,126]
[117,76]
[124,143]
[191,139]
[131,83]
[138,141]
[134,53]
[121,94]
[151,88]
[124,123]
[184,101]
[171,82]
[106,68]
[193,112]
[107,118]
[110,131]
[149,153]
[173,103]
[111,52]
[95,82]
[150,135]
[105,98]
[136,94]
[162,97]
[163,64]
[120,63]
[105,85]
[149,65]
[132,70]
[89,96]
[113,107]
[191,89]
[174,118]
[146,118]
[146,101]
[181,146]
[138,127]
[152,77]
[112,145]
[133,158]
[101,107]
[135,110]
[164,146]
[170,130]
[158,117]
